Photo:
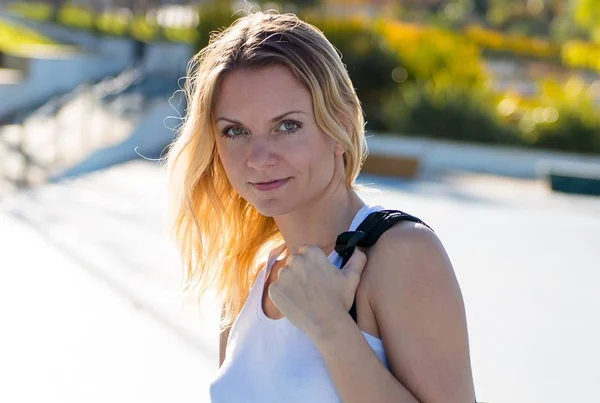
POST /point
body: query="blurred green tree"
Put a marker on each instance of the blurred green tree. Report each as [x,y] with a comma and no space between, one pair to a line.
[587,15]
[481,7]
[298,3]
[215,15]
[56,6]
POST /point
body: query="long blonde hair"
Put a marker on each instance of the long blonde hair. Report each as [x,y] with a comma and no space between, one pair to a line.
[222,238]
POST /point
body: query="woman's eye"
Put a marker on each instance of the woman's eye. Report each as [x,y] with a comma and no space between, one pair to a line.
[232,132]
[289,126]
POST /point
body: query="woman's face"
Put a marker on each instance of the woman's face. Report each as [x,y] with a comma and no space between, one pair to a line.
[268,141]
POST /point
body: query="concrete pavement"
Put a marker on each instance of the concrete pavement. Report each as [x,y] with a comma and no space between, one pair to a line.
[89,300]
[89,288]
[69,337]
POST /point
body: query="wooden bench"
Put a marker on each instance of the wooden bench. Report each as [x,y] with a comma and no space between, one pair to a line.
[404,166]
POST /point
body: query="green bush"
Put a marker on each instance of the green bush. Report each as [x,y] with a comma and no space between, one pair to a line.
[108,22]
[369,58]
[383,57]
[428,52]
[448,112]
[571,132]
[415,79]
[581,55]
[32,10]
[409,78]
[370,63]
[569,120]
[513,44]
[144,31]
[185,35]
[76,17]
[214,16]
[112,24]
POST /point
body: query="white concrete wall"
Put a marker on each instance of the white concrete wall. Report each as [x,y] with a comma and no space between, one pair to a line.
[443,155]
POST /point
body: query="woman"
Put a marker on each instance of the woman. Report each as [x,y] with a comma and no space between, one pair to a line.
[264,169]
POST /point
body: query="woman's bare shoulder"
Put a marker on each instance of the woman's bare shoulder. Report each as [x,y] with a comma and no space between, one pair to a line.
[419,309]
[404,248]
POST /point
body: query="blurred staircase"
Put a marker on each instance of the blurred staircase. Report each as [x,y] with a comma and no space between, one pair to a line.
[69,129]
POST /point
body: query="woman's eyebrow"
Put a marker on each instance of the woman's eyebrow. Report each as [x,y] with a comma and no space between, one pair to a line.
[275,119]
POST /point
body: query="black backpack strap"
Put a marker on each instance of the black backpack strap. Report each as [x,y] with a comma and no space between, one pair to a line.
[367,233]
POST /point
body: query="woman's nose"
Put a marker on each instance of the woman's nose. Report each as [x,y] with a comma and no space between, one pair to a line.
[262,154]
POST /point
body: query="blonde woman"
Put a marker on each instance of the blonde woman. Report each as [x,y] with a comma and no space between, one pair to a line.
[262,179]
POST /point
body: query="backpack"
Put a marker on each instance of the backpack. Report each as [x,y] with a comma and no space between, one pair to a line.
[367,233]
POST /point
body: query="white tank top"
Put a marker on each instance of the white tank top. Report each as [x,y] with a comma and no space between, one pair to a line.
[271,361]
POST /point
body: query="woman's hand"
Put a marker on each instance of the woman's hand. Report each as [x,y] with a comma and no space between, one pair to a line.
[311,291]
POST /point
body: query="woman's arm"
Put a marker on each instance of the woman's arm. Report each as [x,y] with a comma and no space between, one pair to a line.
[420,313]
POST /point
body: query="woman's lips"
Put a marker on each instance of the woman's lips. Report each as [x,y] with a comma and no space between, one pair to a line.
[265,186]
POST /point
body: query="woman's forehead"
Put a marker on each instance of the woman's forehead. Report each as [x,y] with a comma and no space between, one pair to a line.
[267,90]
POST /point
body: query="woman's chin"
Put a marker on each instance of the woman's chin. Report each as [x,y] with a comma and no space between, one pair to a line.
[272,207]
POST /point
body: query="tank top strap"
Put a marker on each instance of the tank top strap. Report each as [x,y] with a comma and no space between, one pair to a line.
[273,255]
[257,288]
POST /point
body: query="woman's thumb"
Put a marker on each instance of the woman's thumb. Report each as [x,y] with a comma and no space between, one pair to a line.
[355,264]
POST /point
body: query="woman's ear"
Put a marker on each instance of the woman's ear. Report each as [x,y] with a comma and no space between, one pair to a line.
[345,122]
[340,149]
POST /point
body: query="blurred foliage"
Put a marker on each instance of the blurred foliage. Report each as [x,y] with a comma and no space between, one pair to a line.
[184,35]
[112,24]
[76,16]
[449,83]
[282,4]
[573,131]
[109,22]
[32,10]
[587,15]
[582,55]
[428,51]
[143,30]
[431,79]
[214,16]
[572,53]
[370,62]
[560,20]
[568,121]
[14,38]
[511,43]
[441,111]
[382,58]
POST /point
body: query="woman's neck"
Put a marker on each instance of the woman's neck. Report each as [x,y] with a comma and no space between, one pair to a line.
[320,222]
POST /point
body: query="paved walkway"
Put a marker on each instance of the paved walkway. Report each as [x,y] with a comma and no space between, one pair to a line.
[70,335]
[91,311]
